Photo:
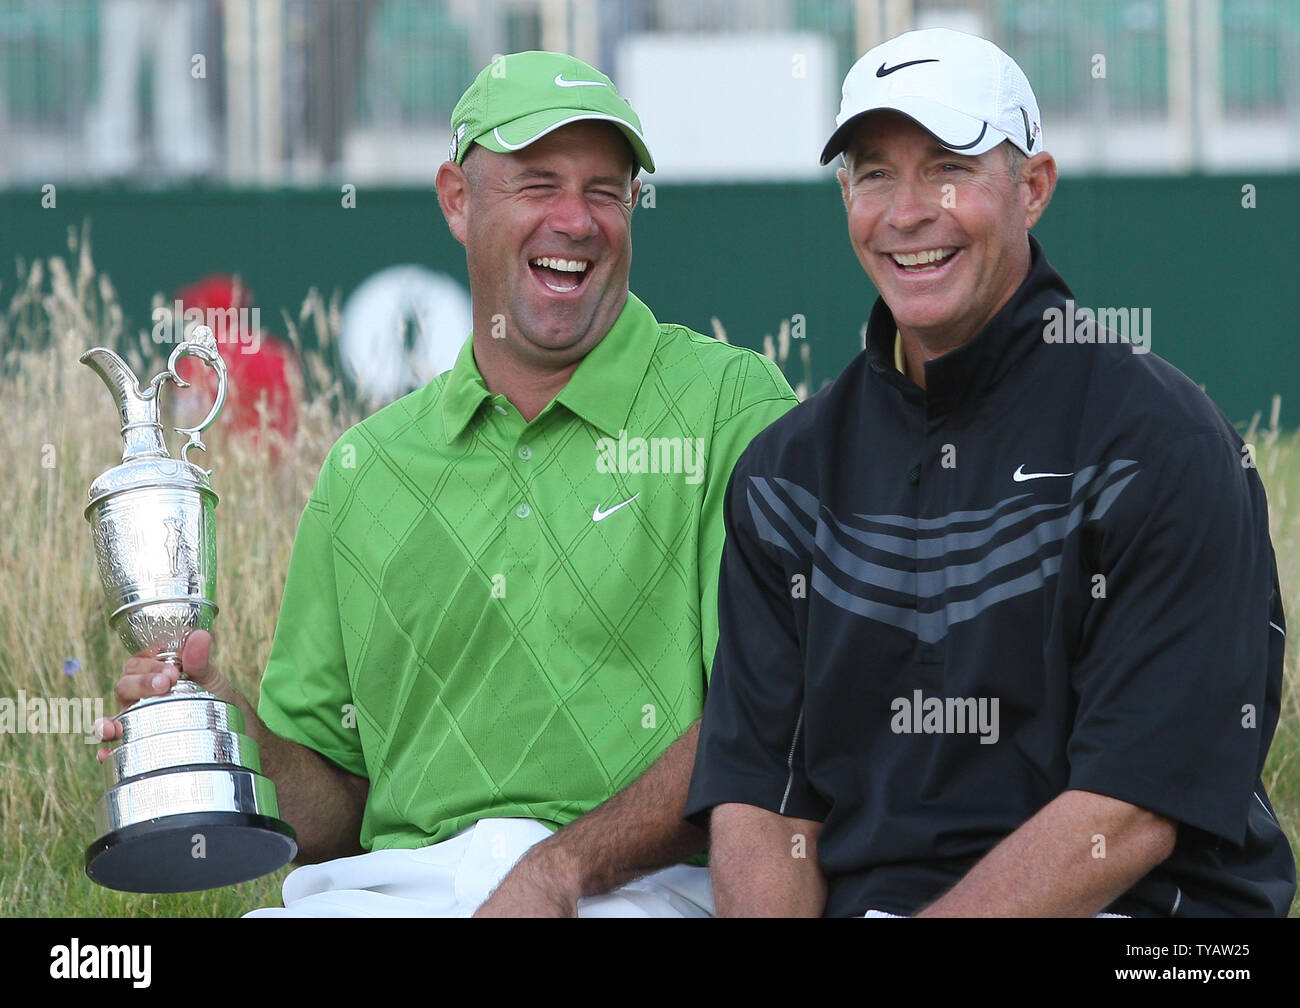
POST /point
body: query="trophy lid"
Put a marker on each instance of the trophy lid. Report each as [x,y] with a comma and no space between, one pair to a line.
[145,459]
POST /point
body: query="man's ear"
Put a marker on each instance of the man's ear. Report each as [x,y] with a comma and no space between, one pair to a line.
[636,191]
[843,175]
[453,197]
[1039,176]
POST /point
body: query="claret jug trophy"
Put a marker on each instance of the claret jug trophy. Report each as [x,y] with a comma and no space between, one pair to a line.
[188,807]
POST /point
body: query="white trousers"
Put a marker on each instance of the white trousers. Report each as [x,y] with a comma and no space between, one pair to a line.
[453,878]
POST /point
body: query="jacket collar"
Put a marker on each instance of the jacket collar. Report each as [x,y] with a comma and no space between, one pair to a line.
[966,374]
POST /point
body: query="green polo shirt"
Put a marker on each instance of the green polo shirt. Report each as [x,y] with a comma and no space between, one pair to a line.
[487,617]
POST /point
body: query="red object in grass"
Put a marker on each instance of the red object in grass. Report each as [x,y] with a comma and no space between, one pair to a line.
[260,366]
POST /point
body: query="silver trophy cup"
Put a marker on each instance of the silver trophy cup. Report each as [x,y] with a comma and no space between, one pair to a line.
[188,808]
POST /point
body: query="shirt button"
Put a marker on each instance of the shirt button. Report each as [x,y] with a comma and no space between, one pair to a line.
[501,409]
[523,510]
[525,452]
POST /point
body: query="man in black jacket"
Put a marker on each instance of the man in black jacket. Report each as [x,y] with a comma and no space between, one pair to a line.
[1001,631]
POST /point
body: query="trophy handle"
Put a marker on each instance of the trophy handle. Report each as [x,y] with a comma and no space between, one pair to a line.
[203,345]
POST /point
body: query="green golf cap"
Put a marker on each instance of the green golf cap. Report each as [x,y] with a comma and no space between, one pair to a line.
[517,99]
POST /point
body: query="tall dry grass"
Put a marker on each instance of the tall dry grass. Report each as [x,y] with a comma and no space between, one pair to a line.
[58,431]
[1278,458]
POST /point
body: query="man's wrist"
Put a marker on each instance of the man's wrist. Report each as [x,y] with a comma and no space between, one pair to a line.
[551,867]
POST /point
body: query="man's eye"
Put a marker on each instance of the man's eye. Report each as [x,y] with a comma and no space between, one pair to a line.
[954,167]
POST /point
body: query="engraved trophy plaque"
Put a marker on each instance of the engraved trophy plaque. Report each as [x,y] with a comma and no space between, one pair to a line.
[188,807]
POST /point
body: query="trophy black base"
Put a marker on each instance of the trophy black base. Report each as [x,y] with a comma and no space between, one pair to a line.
[190,852]
[189,808]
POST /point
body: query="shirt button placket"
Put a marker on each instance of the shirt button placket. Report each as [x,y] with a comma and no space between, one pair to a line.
[524,453]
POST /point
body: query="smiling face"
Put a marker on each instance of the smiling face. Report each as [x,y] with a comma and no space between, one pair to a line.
[944,259]
[547,232]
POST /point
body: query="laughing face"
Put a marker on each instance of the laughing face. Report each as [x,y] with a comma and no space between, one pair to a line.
[942,235]
[547,232]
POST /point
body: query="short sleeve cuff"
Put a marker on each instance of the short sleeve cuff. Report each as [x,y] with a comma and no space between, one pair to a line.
[290,728]
[1185,805]
[796,801]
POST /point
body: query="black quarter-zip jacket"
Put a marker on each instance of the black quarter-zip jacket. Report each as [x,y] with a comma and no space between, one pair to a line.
[941,608]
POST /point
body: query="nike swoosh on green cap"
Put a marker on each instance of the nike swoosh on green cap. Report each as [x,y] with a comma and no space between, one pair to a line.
[519,98]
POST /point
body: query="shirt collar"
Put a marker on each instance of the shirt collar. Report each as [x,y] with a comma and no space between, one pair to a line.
[600,390]
[603,387]
[463,394]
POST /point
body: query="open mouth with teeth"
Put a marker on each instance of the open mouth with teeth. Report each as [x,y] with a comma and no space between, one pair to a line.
[563,276]
[924,261]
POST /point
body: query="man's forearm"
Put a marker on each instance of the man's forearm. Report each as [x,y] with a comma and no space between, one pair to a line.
[1078,854]
[637,831]
[765,864]
[321,801]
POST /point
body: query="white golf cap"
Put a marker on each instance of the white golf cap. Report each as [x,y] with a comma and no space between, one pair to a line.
[960,88]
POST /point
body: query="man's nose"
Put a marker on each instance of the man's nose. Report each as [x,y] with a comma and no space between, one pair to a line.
[915,201]
[570,215]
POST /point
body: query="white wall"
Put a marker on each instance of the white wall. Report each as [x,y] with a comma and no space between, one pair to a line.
[731,107]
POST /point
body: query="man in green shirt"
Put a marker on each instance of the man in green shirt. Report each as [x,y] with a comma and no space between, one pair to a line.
[500,613]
